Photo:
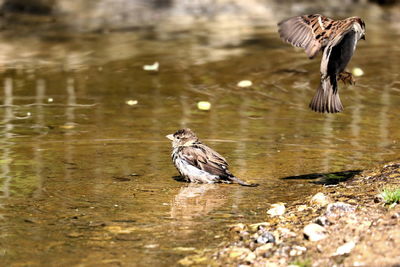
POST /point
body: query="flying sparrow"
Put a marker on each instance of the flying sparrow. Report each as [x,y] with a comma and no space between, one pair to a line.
[337,39]
[198,163]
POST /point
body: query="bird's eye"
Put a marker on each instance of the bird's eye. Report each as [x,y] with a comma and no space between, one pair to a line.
[178,137]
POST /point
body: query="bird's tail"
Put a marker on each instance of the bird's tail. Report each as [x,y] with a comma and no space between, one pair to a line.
[241,182]
[327,97]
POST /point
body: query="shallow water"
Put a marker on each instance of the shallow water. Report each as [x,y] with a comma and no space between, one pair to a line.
[87,179]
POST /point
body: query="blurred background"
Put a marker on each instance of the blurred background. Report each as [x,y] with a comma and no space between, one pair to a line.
[89,89]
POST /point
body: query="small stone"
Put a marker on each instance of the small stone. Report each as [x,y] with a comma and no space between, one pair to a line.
[314,232]
[262,250]
[323,221]
[266,237]
[204,105]
[357,72]
[285,232]
[345,249]
[238,253]
[339,208]
[244,83]
[259,226]
[297,251]
[277,209]
[250,257]
[320,199]
[301,208]
[238,227]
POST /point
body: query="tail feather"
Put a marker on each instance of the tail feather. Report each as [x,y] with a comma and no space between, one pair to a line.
[327,98]
[241,182]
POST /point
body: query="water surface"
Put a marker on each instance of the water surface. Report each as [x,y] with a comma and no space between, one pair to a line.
[87,179]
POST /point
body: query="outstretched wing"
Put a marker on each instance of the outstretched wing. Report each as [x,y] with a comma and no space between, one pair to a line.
[310,32]
[206,159]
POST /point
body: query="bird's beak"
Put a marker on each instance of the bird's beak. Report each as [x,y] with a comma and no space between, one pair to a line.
[363,37]
[170,137]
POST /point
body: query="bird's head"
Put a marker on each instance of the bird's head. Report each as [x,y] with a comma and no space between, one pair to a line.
[360,24]
[183,137]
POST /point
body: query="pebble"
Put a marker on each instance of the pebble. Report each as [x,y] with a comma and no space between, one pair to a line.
[262,250]
[323,221]
[277,209]
[345,249]
[320,199]
[339,208]
[314,232]
[297,251]
[266,237]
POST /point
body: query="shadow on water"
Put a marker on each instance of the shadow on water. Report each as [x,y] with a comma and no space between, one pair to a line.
[325,178]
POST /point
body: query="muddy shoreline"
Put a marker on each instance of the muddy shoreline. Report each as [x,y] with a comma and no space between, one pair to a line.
[346,224]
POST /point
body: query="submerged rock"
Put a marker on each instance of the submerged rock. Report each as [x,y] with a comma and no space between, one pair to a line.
[314,232]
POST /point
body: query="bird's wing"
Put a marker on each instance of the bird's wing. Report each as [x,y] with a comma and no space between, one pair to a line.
[206,159]
[310,32]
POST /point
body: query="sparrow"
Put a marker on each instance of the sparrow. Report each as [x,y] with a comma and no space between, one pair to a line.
[197,163]
[337,39]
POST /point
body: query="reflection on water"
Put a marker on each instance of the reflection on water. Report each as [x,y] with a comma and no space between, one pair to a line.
[87,179]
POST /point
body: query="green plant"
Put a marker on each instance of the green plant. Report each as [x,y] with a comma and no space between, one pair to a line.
[391,196]
[302,263]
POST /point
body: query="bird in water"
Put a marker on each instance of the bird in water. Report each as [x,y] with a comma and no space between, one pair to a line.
[197,163]
[337,39]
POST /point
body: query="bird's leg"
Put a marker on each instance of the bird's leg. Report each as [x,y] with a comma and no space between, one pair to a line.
[346,77]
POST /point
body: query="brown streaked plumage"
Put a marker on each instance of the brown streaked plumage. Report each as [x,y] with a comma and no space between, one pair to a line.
[198,163]
[337,39]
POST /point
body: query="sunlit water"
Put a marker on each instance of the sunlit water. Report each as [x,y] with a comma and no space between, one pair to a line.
[88,179]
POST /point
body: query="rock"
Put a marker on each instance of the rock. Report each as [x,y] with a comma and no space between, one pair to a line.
[320,199]
[345,249]
[264,249]
[243,254]
[266,237]
[277,209]
[338,209]
[301,208]
[259,226]
[238,227]
[297,251]
[285,232]
[323,221]
[314,232]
